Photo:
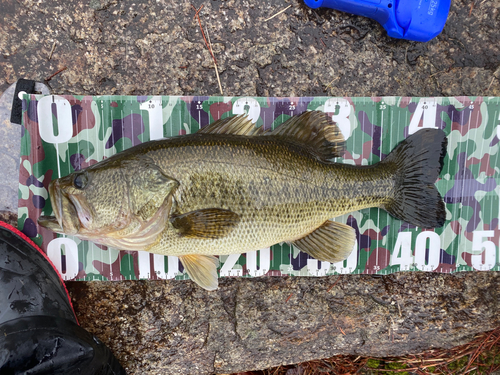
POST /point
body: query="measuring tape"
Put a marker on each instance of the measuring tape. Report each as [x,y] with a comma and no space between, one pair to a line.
[62,134]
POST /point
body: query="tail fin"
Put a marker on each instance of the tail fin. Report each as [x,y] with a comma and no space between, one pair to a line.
[418,161]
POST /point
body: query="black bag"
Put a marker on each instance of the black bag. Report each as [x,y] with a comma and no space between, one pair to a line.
[39,332]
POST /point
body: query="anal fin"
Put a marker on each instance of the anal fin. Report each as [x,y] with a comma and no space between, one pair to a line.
[202,269]
[331,242]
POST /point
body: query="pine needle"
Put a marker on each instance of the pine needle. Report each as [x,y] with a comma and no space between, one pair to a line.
[277,14]
[208,44]
[215,65]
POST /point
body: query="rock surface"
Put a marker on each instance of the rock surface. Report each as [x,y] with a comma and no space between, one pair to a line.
[176,327]
[156,47]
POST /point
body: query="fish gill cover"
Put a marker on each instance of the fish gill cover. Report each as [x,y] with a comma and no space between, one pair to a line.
[63,134]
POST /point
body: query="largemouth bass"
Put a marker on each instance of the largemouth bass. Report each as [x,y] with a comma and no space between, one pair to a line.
[233,188]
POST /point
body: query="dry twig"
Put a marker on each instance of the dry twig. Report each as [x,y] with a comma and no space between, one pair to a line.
[471,7]
[492,80]
[338,278]
[209,45]
[52,50]
[277,14]
[333,80]
[215,65]
[56,73]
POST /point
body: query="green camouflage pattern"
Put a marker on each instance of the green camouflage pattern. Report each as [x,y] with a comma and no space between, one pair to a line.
[62,134]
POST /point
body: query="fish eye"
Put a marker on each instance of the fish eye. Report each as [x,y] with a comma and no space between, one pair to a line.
[80,181]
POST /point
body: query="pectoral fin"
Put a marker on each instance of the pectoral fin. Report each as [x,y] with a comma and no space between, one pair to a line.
[202,269]
[332,242]
[208,223]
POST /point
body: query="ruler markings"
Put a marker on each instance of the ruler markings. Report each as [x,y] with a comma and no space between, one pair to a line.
[459,206]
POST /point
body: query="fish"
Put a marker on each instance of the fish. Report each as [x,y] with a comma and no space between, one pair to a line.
[232,188]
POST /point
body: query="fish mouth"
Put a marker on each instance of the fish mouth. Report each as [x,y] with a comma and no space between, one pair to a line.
[66,217]
[50,222]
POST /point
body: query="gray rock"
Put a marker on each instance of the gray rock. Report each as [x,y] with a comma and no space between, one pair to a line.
[177,327]
[155,47]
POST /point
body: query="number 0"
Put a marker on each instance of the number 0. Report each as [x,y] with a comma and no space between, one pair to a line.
[63,124]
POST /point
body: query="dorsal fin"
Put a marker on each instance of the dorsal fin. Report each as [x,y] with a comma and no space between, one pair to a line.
[237,125]
[315,129]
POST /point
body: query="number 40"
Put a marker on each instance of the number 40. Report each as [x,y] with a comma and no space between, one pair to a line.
[403,257]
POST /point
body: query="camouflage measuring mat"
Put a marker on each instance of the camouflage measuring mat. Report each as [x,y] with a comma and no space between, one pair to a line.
[62,134]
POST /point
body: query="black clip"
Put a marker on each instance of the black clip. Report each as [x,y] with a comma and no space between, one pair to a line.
[30,87]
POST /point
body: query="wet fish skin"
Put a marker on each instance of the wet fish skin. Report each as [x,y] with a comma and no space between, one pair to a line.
[279,191]
[231,189]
